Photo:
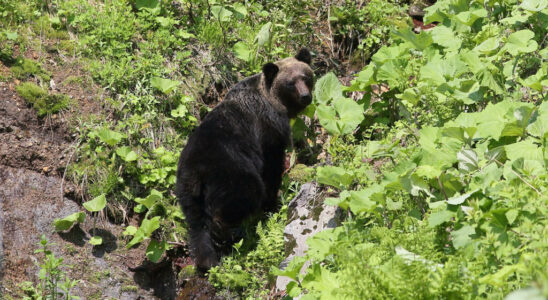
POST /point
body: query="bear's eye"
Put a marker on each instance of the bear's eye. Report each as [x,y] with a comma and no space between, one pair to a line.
[290,83]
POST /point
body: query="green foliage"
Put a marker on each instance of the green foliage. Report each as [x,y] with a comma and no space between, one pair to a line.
[437,149]
[459,207]
[245,271]
[54,283]
[24,68]
[363,29]
[96,204]
[67,222]
[44,103]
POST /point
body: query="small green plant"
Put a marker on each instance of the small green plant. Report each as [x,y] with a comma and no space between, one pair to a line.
[44,103]
[54,283]
[24,68]
[94,206]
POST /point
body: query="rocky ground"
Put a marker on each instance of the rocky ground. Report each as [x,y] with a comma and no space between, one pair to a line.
[34,154]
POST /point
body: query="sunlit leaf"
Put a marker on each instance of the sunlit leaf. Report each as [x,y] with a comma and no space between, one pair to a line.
[67,222]
[96,204]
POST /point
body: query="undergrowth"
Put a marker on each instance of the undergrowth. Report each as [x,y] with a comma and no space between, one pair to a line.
[436,150]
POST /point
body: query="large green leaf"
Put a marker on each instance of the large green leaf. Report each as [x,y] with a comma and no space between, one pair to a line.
[342,117]
[148,226]
[264,34]
[445,37]
[152,6]
[67,222]
[96,204]
[109,137]
[488,46]
[521,42]
[151,199]
[470,16]
[327,88]
[221,13]
[334,176]
[393,72]
[126,153]
[526,149]
[440,217]
[534,5]
[243,52]
[420,41]
[164,85]
[155,250]
[364,200]
[461,237]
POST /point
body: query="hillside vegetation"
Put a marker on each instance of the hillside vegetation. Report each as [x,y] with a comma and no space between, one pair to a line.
[434,144]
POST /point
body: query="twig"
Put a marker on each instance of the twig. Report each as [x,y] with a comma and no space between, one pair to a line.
[65,171]
[329,27]
[521,178]
[177,244]
[442,188]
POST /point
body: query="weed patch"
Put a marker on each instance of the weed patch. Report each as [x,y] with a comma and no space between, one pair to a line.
[44,103]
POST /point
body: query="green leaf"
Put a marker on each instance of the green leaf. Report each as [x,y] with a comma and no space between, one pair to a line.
[12,36]
[393,72]
[109,137]
[242,51]
[221,13]
[67,222]
[327,88]
[155,250]
[151,199]
[365,78]
[148,226]
[468,160]
[534,5]
[461,237]
[361,201]
[341,118]
[153,6]
[487,80]
[439,217]
[264,34]
[240,9]
[96,240]
[445,37]
[469,17]
[334,176]
[488,46]
[521,42]
[130,230]
[459,199]
[164,85]
[420,41]
[96,204]
[126,153]
[525,149]
[530,293]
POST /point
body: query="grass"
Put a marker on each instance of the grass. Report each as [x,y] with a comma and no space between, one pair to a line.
[41,100]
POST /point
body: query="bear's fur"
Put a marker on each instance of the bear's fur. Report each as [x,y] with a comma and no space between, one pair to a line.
[232,165]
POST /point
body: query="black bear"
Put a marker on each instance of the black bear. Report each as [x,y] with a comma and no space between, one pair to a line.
[232,165]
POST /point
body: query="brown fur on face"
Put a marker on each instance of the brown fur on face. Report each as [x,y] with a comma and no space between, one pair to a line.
[289,82]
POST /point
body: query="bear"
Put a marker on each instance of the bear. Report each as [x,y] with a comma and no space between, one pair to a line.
[231,167]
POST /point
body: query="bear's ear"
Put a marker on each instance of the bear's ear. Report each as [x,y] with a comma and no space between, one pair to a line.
[304,56]
[270,70]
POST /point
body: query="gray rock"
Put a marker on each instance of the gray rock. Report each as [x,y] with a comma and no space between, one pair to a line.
[307,215]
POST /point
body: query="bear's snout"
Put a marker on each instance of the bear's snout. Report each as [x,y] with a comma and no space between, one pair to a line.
[305,99]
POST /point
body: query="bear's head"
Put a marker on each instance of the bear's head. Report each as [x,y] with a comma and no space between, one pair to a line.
[289,82]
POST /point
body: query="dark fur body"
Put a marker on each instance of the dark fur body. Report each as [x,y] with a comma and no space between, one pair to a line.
[232,165]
